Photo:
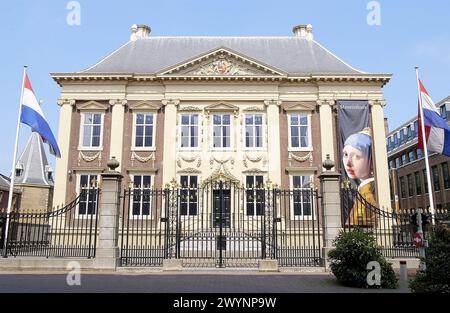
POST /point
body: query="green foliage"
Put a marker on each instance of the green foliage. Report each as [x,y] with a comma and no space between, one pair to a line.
[353,251]
[437,277]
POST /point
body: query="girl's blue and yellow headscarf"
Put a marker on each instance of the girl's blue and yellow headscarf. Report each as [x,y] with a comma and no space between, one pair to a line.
[361,141]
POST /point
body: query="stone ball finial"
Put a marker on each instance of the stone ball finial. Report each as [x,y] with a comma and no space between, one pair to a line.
[113,164]
[328,164]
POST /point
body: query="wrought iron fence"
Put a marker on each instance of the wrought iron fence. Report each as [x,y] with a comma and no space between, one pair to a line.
[393,231]
[67,232]
[220,224]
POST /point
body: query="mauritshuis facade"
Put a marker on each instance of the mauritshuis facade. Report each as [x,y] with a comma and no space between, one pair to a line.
[251,109]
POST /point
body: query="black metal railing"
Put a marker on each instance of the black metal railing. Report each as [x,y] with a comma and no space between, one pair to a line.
[220,224]
[67,232]
[394,231]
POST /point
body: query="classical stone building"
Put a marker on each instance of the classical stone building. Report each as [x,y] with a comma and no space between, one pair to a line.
[251,109]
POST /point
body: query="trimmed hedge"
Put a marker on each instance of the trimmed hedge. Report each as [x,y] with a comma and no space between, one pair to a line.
[353,251]
[437,277]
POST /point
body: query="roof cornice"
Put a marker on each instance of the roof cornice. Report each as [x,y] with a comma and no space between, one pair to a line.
[61,78]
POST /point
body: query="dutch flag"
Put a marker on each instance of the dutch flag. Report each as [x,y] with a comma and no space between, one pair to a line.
[32,115]
[437,131]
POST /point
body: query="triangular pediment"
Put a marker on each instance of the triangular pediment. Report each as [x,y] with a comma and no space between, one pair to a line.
[300,106]
[92,105]
[222,62]
[145,105]
[222,107]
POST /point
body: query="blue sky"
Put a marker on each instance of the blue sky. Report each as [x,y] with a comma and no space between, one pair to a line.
[37,33]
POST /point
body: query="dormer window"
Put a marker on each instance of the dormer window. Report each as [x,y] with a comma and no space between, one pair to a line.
[19,170]
[49,172]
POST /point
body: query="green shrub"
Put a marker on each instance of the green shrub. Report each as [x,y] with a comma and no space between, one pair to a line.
[436,279]
[353,251]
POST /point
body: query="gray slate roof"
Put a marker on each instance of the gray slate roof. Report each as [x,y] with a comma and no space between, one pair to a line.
[5,184]
[293,55]
[34,163]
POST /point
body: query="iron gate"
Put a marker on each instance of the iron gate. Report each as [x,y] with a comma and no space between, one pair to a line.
[220,224]
[70,231]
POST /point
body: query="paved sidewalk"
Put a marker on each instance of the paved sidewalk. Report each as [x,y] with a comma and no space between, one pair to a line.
[181,283]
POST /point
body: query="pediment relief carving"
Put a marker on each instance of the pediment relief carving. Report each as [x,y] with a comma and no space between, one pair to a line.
[222,62]
[92,105]
[145,105]
[301,106]
[222,107]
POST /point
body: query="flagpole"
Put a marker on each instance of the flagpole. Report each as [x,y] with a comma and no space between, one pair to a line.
[425,149]
[11,185]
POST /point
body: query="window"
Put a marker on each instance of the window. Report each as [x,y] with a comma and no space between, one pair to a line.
[222,131]
[404,159]
[436,184]
[409,132]
[419,154]
[418,183]
[402,187]
[301,196]
[141,195]
[299,131]
[255,195]
[144,130]
[88,195]
[189,130]
[253,130]
[395,140]
[402,137]
[398,162]
[446,175]
[91,130]
[411,156]
[410,186]
[188,195]
[443,110]
[425,180]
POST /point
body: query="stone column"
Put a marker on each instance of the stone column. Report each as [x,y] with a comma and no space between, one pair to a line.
[107,253]
[117,120]
[170,136]
[331,207]
[380,161]
[65,123]
[326,128]
[273,140]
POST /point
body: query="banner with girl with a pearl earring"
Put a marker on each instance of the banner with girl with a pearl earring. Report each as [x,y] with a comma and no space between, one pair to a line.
[356,160]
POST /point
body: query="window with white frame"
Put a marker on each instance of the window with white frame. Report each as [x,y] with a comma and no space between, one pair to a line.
[254,195]
[88,194]
[91,130]
[189,130]
[144,130]
[253,130]
[142,196]
[299,130]
[221,130]
[188,195]
[302,196]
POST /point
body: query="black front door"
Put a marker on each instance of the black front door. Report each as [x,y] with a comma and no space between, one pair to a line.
[221,208]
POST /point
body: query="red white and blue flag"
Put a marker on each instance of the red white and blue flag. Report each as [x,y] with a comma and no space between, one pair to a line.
[32,115]
[437,131]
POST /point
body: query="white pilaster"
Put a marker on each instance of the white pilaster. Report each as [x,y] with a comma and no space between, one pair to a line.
[117,120]
[170,135]
[273,140]
[65,123]
[380,154]
[326,128]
